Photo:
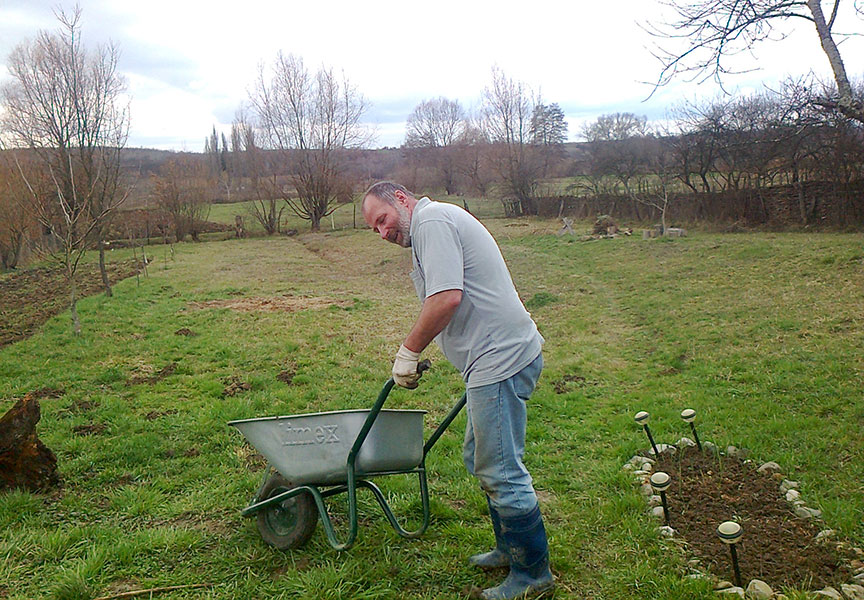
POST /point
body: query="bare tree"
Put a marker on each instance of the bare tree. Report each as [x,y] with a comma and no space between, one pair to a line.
[433,128]
[718,29]
[64,102]
[311,119]
[182,189]
[507,109]
[18,223]
[257,166]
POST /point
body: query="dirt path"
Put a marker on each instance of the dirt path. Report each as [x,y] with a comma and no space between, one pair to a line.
[31,297]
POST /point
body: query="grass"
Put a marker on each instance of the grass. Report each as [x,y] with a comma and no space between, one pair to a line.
[760,333]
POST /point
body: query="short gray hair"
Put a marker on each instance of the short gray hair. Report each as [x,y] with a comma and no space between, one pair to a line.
[386,191]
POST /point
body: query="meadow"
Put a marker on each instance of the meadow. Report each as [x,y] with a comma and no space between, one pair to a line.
[760,333]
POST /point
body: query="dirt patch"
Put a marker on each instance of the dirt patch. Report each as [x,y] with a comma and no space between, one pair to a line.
[31,297]
[192,453]
[234,385]
[89,429]
[287,374]
[158,414]
[151,378]
[47,392]
[568,383]
[277,304]
[185,331]
[252,460]
[777,547]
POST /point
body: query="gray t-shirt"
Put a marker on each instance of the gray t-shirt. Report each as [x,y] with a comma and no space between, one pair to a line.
[491,336]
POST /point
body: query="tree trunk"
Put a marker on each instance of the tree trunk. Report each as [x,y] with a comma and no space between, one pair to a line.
[25,462]
[102,270]
[73,305]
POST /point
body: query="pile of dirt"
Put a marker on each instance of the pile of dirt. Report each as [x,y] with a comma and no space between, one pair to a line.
[777,547]
[30,297]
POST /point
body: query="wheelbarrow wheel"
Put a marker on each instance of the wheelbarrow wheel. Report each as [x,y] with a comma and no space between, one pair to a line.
[288,524]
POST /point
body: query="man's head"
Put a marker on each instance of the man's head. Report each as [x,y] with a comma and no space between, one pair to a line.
[387,209]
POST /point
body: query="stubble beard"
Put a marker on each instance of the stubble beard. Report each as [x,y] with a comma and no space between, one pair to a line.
[404,227]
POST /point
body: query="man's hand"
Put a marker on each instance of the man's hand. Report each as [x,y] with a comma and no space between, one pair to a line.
[405,368]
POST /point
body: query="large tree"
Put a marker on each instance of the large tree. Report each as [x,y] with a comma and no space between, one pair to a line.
[715,30]
[549,133]
[65,103]
[432,130]
[311,119]
[507,109]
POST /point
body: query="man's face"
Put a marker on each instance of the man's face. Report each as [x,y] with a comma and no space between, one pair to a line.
[392,223]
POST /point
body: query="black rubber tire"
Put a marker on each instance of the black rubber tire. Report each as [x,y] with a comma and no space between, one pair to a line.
[290,524]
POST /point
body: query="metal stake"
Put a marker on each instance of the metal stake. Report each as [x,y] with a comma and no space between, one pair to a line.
[689,416]
[729,533]
[660,482]
[642,418]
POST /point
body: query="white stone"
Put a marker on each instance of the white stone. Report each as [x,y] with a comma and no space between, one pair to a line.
[803,512]
[787,485]
[694,562]
[859,578]
[666,531]
[640,474]
[697,576]
[655,500]
[663,448]
[733,591]
[824,535]
[792,495]
[828,592]
[685,441]
[853,591]
[657,511]
[627,467]
[759,590]
[769,467]
[647,490]
[722,585]
[710,447]
[736,452]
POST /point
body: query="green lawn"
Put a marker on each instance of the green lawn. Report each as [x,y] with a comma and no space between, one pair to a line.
[760,333]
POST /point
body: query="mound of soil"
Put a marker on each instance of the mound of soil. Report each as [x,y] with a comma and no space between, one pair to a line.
[31,297]
[777,547]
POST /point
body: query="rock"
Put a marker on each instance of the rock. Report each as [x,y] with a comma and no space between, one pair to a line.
[655,500]
[828,592]
[858,552]
[697,576]
[735,452]
[792,495]
[694,562]
[666,531]
[853,591]
[733,591]
[824,535]
[663,449]
[685,442]
[657,511]
[859,578]
[646,489]
[787,485]
[722,585]
[627,467]
[759,590]
[710,447]
[768,467]
[641,474]
[803,512]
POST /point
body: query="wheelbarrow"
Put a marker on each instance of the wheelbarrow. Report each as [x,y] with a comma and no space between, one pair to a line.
[319,455]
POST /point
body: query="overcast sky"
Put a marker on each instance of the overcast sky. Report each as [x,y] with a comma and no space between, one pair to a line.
[190,63]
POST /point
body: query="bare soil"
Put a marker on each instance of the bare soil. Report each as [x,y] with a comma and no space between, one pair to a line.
[277,304]
[777,547]
[29,298]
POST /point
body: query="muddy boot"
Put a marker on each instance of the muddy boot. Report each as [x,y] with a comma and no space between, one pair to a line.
[529,575]
[498,557]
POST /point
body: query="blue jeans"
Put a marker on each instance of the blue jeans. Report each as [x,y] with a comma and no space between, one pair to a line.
[495,440]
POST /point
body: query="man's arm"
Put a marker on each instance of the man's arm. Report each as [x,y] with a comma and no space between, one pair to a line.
[437,311]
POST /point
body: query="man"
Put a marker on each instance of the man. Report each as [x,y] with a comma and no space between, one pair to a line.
[471,309]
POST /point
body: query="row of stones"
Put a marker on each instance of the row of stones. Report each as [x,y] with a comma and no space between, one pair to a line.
[642,466]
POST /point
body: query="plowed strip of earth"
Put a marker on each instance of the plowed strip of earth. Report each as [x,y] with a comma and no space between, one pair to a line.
[31,297]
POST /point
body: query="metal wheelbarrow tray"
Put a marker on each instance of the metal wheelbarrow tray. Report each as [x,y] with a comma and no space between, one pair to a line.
[319,455]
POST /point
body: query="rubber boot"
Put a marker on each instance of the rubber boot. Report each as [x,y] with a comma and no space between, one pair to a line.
[529,575]
[499,557]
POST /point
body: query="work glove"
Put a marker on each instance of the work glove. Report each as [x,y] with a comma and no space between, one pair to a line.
[405,368]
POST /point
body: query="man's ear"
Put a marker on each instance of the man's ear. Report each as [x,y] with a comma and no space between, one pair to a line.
[401,197]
